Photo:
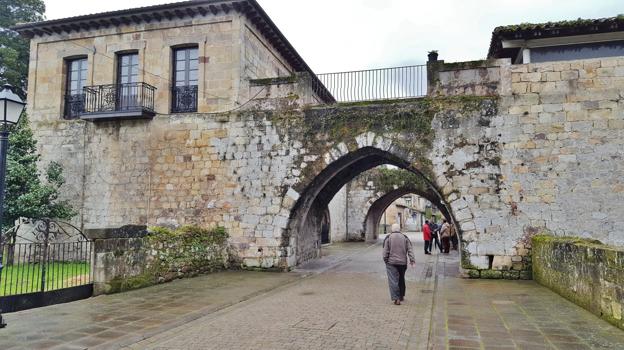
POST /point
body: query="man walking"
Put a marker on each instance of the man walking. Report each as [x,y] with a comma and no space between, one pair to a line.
[397,248]
[426,229]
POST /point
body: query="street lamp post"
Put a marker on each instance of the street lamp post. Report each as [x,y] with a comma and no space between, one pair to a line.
[11,108]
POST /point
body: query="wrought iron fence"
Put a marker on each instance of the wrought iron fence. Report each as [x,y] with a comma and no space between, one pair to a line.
[377,84]
[119,98]
[47,264]
[184,99]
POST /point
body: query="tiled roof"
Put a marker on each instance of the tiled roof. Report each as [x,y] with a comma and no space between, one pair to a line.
[527,31]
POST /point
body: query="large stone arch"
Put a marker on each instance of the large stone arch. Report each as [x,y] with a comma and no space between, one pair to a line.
[305,221]
[381,201]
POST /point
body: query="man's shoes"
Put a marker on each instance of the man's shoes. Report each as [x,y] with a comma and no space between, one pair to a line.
[397,302]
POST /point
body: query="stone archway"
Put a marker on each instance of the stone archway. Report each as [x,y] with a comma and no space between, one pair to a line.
[383,200]
[306,219]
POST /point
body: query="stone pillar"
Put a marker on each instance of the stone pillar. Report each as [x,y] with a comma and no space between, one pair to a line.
[433,68]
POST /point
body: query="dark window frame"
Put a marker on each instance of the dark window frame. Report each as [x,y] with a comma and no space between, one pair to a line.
[129,94]
[120,67]
[74,98]
[184,96]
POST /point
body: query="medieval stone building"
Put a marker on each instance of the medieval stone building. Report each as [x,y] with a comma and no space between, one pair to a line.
[201,112]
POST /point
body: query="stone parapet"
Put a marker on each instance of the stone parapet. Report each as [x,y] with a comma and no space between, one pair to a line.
[122,264]
[584,271]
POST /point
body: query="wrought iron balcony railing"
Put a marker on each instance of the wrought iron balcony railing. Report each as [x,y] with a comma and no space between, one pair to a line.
[184,99]
[74,106]
[114,101]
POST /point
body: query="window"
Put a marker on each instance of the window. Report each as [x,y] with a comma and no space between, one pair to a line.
[185,77]
[76,81]
[128,89]
[128,72]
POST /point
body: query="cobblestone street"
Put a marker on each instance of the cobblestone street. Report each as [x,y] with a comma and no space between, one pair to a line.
[342,304]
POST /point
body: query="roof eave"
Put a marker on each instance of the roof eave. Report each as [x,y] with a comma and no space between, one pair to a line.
[186,9]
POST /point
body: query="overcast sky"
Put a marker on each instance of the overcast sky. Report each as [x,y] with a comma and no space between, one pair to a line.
[341,35]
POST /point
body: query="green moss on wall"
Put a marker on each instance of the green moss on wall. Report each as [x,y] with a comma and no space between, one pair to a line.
[467,65]
[121,284]
[584,271]
[386,180]
[491,274]
[166,254]
[274,81]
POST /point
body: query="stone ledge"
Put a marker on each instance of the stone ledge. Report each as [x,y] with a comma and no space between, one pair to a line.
[586,272]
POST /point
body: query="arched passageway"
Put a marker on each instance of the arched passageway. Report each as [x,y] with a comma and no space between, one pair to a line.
[307,217]
[379,206]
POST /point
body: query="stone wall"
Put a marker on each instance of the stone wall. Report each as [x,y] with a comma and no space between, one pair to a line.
[260,59]
[242,170]
[472,78]
[338,216]
[563,145]
[545,157]
[122,264]
[584,271]
[549,160]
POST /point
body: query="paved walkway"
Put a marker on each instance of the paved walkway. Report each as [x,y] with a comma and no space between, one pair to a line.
[494,314]
[342,304]
[112,321]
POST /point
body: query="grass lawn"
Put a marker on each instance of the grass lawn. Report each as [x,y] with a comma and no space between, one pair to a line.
[26,278]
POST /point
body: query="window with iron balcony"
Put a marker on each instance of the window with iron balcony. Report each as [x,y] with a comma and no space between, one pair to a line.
[74,87]
[185,78]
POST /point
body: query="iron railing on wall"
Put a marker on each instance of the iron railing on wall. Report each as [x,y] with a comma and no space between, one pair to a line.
[377,84]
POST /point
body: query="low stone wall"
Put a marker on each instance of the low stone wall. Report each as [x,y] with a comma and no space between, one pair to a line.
[585,272]
[128,263]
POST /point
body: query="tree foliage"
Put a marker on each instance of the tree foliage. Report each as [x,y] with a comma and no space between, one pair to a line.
[14,50]
[28,194]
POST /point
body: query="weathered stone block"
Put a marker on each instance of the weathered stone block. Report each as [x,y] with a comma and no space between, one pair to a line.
[501,262]
[480,262]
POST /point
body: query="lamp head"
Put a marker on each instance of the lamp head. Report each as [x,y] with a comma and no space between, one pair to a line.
[11,105]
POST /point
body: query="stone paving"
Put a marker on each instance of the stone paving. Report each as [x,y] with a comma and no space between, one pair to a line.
[498,314]
[115,320]
[347,307]
[342,304]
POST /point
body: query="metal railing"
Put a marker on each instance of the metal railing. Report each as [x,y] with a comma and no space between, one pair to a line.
[74,105]
[184,99]
[118,98]
[377,84]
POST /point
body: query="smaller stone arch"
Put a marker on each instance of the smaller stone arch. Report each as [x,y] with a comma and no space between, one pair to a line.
[383,200]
